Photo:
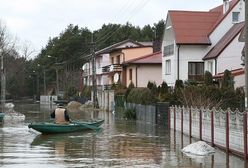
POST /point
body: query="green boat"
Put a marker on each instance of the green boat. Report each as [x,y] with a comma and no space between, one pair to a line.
[52,128]
[1,117]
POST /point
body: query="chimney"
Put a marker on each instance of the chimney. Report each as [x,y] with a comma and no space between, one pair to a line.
[226,4]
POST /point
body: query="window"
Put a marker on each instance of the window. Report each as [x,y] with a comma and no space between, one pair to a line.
[168,50]
[112,60]
[210,66]
[235,17]
[168,67]
[195,71]
[130,74]
[118,59]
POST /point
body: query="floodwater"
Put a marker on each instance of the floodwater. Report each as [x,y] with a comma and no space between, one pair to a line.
[120,143]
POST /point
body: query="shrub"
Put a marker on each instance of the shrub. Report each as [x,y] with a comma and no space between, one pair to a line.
[86,92]
[130,114]
[178,84]
[227,81]
[70,91]
[153,87]
[130,87]
[208,78]
[141,96]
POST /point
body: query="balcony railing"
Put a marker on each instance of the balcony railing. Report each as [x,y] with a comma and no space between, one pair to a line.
[196,77]
[112,68]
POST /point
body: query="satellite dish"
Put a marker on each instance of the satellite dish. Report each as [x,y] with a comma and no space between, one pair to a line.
[116,77]
[111,68]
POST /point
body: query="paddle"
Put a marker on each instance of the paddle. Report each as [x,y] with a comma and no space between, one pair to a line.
[87,125]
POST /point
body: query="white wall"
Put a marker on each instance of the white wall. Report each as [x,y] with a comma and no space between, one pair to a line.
[230,58]
[227,23]
[239,81]
[187,53]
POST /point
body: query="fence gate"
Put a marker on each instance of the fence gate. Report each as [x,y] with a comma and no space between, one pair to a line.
[162,113]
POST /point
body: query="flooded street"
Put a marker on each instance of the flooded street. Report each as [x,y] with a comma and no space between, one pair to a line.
[120,143]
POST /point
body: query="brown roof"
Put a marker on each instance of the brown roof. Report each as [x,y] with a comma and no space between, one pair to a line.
[154,58]
[224,41]
[194,27]
[235,72]
[114,46]
[232,4]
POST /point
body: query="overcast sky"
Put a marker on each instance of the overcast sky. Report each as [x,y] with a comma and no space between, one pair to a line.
[37,20]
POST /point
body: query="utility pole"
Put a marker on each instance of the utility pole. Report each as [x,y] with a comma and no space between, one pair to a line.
[94,73]
[3,82]
[44,80]
[246,54]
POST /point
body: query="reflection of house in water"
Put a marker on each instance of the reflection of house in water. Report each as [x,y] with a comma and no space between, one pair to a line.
[135,148]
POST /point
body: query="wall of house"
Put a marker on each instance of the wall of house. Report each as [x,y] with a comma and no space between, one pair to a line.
[131,53]
[146,73]
[239,81]
[190,53]
[187,53]
[230,58]
[169,78]
[128,81]
[168,39]
[227,23]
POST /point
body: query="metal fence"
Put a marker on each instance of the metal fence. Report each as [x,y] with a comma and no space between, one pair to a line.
[224,129]
[154,114]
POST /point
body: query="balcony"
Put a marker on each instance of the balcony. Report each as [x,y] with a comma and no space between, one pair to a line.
[196,77]
[112,68]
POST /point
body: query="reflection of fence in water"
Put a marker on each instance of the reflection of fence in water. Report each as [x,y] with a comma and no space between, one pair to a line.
[225,129]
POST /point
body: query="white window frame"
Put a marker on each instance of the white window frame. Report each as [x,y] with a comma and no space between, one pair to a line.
[235,17]
[168,67]
[210,67]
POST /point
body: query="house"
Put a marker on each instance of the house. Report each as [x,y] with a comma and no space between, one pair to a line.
[196,41]
[238,77]
[104,60]
[116,70]
[143,69]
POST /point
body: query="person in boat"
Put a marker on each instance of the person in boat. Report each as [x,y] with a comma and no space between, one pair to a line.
[60,115]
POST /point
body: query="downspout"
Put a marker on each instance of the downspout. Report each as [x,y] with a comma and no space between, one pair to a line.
[178,47]
[123,73]
[215,69]
[136,76]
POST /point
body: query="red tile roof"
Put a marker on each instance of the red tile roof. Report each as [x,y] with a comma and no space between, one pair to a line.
[235,72]
[224,41]
[194,27]
[154,58]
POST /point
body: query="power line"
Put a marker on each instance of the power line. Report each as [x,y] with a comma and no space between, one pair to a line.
[108,35]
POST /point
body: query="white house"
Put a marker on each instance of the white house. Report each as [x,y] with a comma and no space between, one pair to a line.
[103,60]
[192,41]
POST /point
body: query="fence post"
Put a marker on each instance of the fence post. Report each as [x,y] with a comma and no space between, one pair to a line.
[169,118]
[212,128]
[190,123]
[182,121]
[200,127]
[227,132]
[175,118]
[245,135]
